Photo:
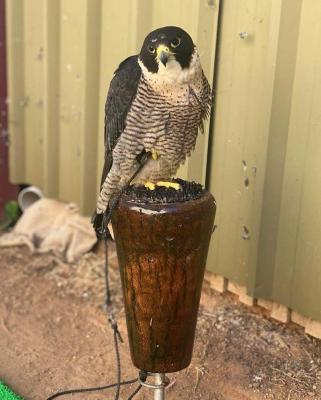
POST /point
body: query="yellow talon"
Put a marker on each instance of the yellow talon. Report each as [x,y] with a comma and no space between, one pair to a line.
[173,185]
[154,154]
[150,185]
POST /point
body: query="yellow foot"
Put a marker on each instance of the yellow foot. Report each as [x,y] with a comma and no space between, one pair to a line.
[150,185]
[154,154]
[173,185]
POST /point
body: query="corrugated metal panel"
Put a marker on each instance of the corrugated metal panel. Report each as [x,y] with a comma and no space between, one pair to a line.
[7,191]
[61,57]
[79,88]
[263,269]
[263,165]
[16,100]
[245,79]
[297,278]
[265,169]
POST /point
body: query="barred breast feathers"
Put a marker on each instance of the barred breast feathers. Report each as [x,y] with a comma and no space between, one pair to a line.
[165,116]
[176,85]
[183,96]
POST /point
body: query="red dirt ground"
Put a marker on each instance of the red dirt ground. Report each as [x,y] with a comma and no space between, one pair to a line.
[53,335]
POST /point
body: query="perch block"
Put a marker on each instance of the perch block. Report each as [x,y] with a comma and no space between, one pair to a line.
[162,240]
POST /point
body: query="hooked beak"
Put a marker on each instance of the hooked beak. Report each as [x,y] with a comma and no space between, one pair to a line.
[163,54]
[163,58]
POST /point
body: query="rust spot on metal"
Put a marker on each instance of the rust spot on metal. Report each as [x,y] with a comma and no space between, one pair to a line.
[246,233]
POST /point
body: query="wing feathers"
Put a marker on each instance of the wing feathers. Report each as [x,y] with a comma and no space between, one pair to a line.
[121,93]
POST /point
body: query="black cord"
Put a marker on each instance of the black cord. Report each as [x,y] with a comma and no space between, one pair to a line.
[142,376]
[107,288]
[118,366]
[110,313]
[93,389]
[113,323]
[135,392]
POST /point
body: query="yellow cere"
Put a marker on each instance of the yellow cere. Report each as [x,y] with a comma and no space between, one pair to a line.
[162,48]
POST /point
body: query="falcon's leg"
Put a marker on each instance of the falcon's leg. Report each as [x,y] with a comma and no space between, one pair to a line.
[106,205]
[168,184]
[154,154]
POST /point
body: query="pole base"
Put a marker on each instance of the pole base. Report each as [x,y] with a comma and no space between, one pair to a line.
[161,382]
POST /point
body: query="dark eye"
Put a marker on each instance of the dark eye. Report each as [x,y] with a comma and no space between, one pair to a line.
[151,49]
[176,42]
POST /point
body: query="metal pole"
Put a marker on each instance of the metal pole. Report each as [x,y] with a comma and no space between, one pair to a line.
[160,392]
[161,382]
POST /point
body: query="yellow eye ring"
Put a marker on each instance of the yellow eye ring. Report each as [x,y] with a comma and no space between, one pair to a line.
[176,42]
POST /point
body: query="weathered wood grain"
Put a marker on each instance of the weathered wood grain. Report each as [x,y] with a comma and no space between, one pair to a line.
[162,250]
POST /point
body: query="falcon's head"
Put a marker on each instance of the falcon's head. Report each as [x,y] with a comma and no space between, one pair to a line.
[168,52]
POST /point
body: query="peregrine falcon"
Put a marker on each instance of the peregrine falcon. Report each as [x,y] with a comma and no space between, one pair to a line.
[156,103]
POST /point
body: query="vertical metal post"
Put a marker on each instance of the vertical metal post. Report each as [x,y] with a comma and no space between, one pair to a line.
[160,392]
[159,385]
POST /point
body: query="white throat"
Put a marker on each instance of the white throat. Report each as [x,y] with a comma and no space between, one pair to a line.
[173,73]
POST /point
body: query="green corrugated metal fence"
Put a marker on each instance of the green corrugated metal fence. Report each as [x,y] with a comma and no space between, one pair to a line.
[266,165]
[260,155]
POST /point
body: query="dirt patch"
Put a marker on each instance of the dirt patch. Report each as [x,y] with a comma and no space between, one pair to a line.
[53,335]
